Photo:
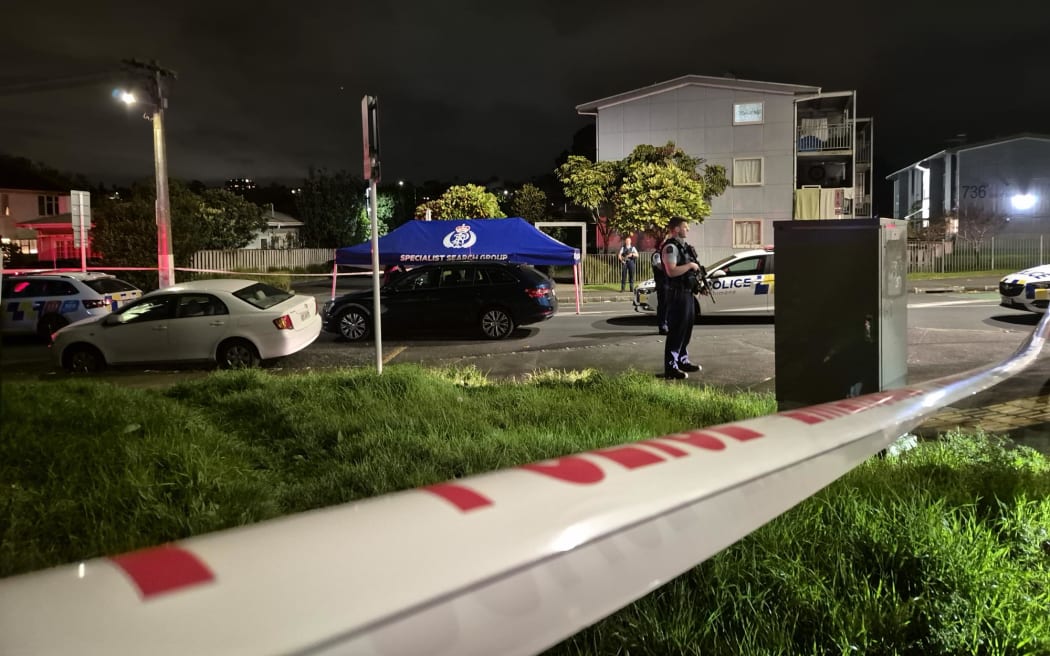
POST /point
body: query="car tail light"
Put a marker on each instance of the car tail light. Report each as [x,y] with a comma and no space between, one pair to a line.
[283,323]
[94,303]
[536,292]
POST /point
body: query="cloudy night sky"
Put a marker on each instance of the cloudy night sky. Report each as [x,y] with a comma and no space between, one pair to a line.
[473,89]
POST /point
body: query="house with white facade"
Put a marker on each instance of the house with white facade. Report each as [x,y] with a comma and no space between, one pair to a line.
[999,178]
[282,231]
[791,151]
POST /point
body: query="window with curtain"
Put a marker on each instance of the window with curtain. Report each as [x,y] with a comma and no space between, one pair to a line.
[747,233]
[747,171]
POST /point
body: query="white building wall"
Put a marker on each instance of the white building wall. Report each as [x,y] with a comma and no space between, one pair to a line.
[700,121]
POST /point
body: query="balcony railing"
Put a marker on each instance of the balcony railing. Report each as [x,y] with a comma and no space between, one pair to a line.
[815,136]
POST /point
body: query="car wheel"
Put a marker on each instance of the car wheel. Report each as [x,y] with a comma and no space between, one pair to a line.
[496,324]
[237,354]
[355,324]
[49,324]
[83,359]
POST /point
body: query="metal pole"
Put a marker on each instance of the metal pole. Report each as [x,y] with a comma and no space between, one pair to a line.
[165,259]
[376,322]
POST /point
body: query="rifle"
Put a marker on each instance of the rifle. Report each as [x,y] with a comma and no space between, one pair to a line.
[701,281]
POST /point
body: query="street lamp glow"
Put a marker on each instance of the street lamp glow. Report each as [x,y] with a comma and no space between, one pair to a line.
[127,97]
[1023,201]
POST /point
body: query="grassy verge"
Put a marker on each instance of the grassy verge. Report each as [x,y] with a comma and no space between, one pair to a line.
[942,550]
[997,273]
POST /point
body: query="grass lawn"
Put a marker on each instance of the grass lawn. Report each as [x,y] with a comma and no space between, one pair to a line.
[944,549]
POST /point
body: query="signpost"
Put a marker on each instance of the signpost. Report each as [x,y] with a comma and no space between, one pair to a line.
[80,208]
[370,147]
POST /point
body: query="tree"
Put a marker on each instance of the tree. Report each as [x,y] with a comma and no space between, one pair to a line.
[385,205]
[224,221]
[651,194]
[463,202]
[530,203]
[619,195]
[330,208]
[591,186]
[977,223]
[125,230]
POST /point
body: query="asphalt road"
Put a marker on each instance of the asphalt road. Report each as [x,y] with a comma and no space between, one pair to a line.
[947,333]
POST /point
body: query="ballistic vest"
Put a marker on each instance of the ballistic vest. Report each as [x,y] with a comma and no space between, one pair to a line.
[683,281]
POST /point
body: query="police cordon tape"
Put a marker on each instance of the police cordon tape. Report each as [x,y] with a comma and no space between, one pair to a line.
[509,562]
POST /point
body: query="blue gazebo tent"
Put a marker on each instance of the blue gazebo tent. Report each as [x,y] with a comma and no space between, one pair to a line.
[504,240]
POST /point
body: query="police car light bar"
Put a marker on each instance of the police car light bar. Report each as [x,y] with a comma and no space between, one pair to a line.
[509,562]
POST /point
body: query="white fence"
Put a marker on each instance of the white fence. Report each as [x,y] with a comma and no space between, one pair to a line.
[1013,252]
[261,260]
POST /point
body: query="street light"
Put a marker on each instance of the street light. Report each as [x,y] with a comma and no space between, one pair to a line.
[155,78]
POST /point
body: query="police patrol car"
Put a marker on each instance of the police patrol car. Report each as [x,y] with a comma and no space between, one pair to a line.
[1027,290]
[43,303]
[739,284]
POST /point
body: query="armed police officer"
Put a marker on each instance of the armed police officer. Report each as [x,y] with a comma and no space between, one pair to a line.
[683,272]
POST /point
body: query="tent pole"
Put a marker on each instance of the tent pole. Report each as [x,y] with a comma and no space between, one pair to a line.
[576,284]
[335,271]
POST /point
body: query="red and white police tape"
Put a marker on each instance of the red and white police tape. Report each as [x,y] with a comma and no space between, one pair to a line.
[509,562]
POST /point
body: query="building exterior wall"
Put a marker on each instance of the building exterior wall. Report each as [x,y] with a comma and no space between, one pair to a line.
[991,176]
[24,204]
[700,121]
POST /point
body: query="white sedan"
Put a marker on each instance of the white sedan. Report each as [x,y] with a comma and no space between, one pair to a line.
[1026,290]
[236,323]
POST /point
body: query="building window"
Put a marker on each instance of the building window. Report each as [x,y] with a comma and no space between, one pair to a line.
[748,113]
[47,205]
[5,205]
[747,233]
[747,171]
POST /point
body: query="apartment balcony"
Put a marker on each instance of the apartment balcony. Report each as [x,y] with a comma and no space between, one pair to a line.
[817,136]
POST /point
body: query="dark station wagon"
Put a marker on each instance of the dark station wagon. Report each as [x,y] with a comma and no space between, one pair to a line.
[488,298]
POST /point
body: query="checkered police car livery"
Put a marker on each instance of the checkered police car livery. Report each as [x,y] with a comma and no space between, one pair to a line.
[1027,290]
[43,303]
[742,283]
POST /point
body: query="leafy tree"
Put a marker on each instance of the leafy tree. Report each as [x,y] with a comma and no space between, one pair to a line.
[330,208]
[224,220]
[530,203]
[650,194]
[590,185]
[678,183]
[385,205]
[463,202]
[125,231]
[23,173]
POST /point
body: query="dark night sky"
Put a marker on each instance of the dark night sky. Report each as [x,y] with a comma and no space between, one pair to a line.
[474,89]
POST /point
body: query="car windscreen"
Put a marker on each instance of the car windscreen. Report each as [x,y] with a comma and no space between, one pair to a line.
[718,264]
[262,295]
[109,286]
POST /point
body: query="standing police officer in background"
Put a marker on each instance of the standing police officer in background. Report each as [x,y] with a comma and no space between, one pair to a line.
[682,271]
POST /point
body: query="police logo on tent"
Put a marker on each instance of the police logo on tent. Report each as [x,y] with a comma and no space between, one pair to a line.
[461,237]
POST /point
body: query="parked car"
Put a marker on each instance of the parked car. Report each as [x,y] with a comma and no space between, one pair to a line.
[42,303]
[741,284]
[236,323]
[491,298]
[1027,290]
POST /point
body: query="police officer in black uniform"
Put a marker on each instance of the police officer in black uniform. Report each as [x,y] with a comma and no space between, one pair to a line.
[682,271]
